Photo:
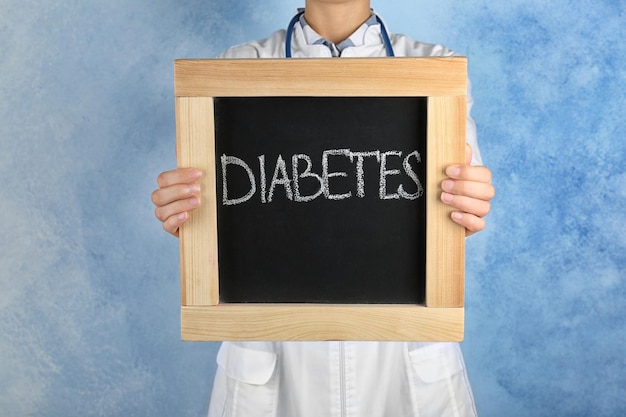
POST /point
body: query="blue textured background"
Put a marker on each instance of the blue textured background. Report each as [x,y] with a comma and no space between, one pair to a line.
[89,291]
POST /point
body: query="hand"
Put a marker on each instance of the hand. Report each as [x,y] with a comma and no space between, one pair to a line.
[469,192]
[178,194]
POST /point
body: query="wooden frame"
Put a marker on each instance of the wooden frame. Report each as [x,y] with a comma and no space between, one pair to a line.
[441,80]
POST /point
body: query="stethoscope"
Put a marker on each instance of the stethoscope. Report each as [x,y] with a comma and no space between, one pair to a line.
[296,18]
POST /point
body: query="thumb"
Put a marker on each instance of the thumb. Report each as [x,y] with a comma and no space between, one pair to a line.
[468,154]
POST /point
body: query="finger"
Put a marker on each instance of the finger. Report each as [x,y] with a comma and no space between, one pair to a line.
[172,224]
[164,213]
[471,223]
[466,204]
[469,173]
[479,190]
[165,196]
[178,176]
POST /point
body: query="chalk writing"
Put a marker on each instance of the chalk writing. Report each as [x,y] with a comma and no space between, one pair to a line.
[390,163]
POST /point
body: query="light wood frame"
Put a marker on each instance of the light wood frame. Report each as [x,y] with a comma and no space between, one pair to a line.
[442,80]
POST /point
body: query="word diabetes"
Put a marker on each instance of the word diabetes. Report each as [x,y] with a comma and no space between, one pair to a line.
[295,176]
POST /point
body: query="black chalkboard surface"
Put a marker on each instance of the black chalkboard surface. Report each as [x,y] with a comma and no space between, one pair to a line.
[346,224]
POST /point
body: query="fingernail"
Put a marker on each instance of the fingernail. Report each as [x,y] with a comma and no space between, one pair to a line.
[447,185]
[457,216]
[446,197]
[194,188]
[194,201]
[182,216]
[453,171]
[195,174]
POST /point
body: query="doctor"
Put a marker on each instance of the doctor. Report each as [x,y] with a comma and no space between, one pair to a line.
[313,379]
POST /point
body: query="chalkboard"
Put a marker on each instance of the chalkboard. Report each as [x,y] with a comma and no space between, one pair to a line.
[320,215]
[281,240]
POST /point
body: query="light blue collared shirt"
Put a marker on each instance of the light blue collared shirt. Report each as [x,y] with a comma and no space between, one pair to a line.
[356,39]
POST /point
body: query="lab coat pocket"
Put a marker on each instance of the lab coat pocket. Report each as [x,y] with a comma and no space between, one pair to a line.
[246,383]
[440,386]
[436,362]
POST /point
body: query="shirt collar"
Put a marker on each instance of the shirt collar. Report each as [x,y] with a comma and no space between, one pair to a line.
[356,39]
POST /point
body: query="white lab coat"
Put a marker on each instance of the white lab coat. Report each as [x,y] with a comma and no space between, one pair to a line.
[341,379]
